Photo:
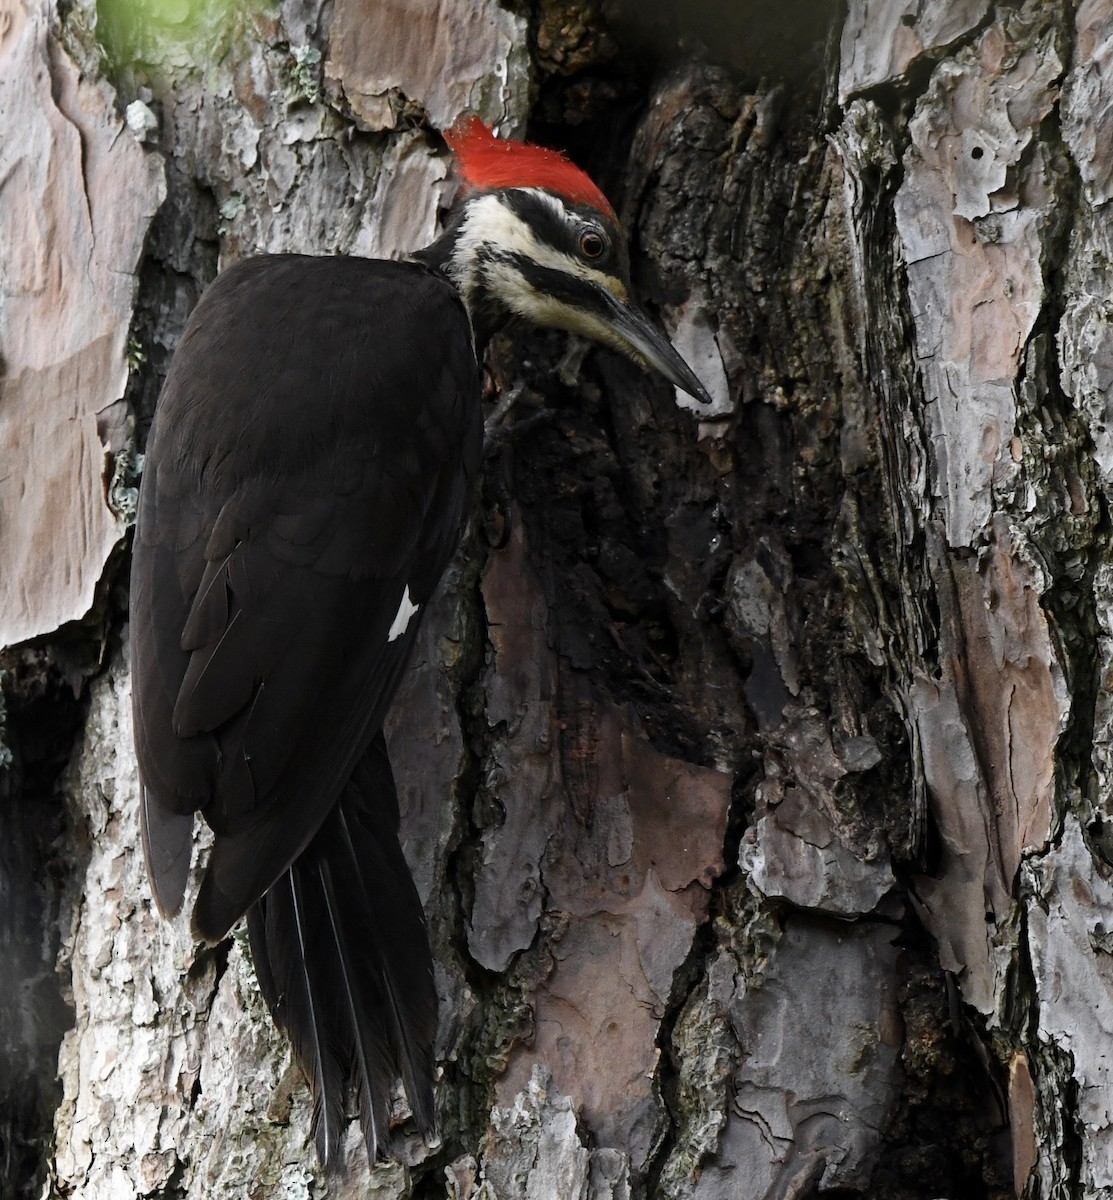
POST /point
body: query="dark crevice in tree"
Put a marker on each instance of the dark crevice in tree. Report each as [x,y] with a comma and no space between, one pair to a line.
[941,1137]
[44,719]
[1066,1121]
[692,974]
[466,1093]
[179,263]
[1075,533]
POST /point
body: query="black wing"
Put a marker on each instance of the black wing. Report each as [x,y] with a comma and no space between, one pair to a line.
[310,466]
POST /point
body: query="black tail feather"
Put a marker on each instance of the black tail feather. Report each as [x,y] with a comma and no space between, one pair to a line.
[372,1068]
[343,961]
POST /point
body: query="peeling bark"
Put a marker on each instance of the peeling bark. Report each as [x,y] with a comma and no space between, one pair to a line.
[386,55]
[78,196]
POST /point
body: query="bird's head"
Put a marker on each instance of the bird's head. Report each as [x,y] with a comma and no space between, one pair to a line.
[533,238]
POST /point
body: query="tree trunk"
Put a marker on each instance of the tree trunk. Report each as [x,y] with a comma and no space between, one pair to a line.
[755,762]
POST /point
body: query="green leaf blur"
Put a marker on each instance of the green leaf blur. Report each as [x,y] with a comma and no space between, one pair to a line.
[170,32]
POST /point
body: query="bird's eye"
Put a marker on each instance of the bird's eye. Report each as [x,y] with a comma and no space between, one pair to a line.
[592,244]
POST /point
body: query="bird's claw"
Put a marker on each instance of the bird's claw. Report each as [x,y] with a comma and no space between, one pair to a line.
[498,414]
[496,434]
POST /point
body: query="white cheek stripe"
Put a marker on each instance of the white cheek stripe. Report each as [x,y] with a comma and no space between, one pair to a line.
[402,617]
[524,300]
[491,223]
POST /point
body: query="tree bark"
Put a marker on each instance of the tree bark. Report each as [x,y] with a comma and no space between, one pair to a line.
[755,762]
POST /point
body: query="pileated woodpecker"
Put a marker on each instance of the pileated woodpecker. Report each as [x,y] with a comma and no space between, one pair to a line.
[307,479]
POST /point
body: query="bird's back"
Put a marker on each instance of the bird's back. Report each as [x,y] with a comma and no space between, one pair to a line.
[309,467]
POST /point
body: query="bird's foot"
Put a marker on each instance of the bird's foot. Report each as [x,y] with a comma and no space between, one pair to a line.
[497,433]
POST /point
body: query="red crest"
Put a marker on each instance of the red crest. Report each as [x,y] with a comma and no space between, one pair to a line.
[487,162]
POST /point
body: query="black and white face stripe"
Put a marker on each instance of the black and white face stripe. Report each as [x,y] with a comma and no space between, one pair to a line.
[563,226]
[558,285]
[520,250]
[527,223]
[527,253]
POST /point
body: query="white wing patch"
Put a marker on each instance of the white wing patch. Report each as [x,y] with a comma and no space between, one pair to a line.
[402,617]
